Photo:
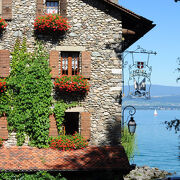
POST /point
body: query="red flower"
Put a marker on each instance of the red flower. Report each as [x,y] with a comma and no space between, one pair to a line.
[51,22]
[75,83]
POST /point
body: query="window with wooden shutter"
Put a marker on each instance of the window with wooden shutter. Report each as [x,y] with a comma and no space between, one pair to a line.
[86,64]
[69,63]
[52,6]
[7,9]
[39,7]
[4,63]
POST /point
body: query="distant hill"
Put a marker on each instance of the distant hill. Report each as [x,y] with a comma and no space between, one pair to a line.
[159,90]
[162,97]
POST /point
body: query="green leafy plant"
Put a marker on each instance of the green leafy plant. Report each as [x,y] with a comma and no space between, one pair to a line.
[3,24]
[59,111]
[128,142]
[1,142]
[2,86]
[71,84]
[51,23]
[30,94]
[4,99]
[68,142]
[40,175]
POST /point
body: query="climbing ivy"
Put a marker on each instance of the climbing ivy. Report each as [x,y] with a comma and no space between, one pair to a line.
[30,91]
[59,111]
[4,103]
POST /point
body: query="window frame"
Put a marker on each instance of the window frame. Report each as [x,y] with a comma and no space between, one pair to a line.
[51,1]
[69,62]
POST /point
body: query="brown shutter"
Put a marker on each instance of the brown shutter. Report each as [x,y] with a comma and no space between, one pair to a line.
[63,8]
[4,63]
[3,128]
[39,7]
[86,125]
[53,127]
[54,63]
[7,9]
[86,64]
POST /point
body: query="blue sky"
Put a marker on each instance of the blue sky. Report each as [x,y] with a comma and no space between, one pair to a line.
[164,38]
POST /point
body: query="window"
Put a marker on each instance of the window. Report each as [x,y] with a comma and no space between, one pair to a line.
[52,6]
[69,63]
[71,123]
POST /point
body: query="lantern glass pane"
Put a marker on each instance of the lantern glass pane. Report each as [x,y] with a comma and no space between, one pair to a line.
[132,129]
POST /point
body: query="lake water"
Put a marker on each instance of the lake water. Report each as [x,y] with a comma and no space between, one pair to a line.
[157,146]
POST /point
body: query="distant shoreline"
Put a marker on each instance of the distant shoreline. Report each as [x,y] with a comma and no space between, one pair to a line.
[154,107]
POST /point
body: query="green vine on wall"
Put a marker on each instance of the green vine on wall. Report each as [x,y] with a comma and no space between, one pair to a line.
[30,89]
[59,111]
[4,103]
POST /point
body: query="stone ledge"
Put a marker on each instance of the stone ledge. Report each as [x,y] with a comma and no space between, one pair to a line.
[70,48]
[75,109]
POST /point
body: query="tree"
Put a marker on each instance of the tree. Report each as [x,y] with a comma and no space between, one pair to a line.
[175,124]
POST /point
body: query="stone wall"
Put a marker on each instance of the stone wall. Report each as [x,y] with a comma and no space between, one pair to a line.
[96,29]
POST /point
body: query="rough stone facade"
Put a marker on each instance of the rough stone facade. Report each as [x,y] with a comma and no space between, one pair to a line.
[96,30]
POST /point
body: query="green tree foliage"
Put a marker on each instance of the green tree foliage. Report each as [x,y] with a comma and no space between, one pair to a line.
[30,91]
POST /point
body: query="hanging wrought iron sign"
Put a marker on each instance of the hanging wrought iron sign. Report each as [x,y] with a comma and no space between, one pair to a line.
[140,75]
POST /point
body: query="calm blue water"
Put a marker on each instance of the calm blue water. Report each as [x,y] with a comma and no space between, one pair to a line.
[157,146]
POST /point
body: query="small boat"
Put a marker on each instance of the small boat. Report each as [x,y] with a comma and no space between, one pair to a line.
[155,113]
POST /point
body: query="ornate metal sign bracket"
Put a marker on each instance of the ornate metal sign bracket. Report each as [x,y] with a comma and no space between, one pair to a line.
[139,74]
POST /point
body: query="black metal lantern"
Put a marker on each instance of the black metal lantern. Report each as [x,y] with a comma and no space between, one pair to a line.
[132,126]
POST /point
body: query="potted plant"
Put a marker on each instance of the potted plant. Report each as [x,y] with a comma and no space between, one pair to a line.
[3,24]
[51,24]
[72,84]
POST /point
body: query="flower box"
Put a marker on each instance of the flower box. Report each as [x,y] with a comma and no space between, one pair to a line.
[3,24]
[51,24]
[72,84]
[68,142]
[2,85]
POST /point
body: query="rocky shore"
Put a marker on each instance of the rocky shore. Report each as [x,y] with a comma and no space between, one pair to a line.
[146,173]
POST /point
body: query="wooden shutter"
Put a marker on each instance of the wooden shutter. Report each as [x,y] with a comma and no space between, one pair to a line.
[4,63]
[85,125]
[39,7]
[3,128]
[7,9]
[86,64]
[53,131]
[54,63]
[63,8]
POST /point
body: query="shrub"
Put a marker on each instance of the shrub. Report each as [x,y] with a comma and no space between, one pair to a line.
[41,175]
[50,23]
[68,142]
[71,84]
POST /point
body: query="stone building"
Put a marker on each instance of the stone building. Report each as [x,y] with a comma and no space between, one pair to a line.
[100,31]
